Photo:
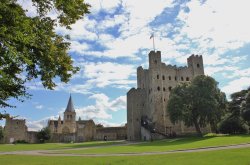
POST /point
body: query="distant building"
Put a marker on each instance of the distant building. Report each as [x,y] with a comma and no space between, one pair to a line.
[147,105]
[69,129]
[16,130]
[63,130]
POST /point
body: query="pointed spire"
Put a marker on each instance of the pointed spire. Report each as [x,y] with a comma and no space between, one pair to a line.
[59,119]
[70,106]
[79,118]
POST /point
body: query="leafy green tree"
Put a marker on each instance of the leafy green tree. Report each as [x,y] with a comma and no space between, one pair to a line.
[30,48]
[246,109]
[1,133]
[44,134]
[197,104]
[233,125]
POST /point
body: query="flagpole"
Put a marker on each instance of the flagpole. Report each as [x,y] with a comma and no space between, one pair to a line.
[154,42]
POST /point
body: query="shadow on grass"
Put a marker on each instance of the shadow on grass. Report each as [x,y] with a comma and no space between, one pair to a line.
[95,144]
[187,140]
[176,141]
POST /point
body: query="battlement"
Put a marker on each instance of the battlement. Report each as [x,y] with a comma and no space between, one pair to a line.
[11,121]
[194,57]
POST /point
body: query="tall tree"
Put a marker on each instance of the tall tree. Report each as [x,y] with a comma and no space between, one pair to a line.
[44,135]
[246,109]
[197,104]
[30,47]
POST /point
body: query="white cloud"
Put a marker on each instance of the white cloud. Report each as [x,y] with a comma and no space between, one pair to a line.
[39,106]
[110,124]
[103,105]
[212,70]
[106,5]
[239,73]
[38,124]
[236,85]
[216,24]
[108,74]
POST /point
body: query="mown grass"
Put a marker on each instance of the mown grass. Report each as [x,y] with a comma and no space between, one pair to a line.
[167,145]
[54,146]
[220,157]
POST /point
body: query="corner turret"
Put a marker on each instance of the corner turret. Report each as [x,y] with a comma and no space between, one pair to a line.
[195,62]
[154,59]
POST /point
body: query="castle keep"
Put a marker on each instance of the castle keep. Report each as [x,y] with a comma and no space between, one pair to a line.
[147,105]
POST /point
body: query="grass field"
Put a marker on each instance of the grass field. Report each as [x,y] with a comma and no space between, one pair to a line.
[167,145]
[221,157]
[53,146]
[218,157]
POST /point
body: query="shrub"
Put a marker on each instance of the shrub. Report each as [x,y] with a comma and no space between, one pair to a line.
[43,135]
[233,125]
[20,142]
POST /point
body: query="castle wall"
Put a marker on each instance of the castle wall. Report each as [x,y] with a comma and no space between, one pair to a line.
[111,133]
[135,108]
[85,130]
[158,81]
[15,129]
[32,137]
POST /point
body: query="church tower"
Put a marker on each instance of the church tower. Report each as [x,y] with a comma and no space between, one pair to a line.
[69,124]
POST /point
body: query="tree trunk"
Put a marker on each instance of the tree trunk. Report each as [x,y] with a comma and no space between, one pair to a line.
[197,127]
[213,127]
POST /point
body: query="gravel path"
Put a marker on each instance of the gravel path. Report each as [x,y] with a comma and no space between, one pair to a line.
[54,152]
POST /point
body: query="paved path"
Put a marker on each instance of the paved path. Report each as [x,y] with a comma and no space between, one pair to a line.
[54,153]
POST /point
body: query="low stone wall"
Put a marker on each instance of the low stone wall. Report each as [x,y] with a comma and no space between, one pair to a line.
[32,137]
[111,133]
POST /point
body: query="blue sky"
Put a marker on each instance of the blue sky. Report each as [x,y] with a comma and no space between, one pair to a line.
[113,40]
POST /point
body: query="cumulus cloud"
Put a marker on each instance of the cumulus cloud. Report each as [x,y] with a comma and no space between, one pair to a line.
[213,24]
[236,85]
[102,107]
[108,74]
[39,106]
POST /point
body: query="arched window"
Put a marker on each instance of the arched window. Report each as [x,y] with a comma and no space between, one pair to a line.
[169,77]
[164,99]
[158,88]
[187,78]
[158,76]
[175,78]
[163,77]
[198,65]
[169,88]
[155,61]
[182,79]
[164,89]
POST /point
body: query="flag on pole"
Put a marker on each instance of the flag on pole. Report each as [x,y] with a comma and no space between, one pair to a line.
[152,35]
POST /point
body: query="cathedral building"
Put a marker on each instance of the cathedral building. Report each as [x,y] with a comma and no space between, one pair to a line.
[69,129]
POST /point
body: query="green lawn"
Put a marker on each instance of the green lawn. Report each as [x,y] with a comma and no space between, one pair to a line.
[53,146]
[228,157]
[166,145]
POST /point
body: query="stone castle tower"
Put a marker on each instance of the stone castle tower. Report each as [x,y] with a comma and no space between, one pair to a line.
[148,103]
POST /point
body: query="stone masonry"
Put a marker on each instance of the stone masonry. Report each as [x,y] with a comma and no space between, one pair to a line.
[149,100]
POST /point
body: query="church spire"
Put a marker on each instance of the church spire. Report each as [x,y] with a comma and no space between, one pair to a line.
[70,106]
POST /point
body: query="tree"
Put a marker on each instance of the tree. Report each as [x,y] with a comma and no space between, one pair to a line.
[197,104]
[238,114]
[232,125]
[1,133]
[30,48]
[44,134]
[246,109]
